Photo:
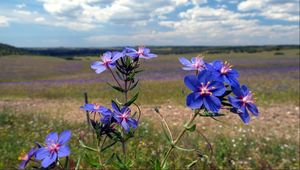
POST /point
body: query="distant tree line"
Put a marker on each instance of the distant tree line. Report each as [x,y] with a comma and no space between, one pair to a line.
[70,52]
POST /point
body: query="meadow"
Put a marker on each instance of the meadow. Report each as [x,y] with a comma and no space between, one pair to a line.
[39,94]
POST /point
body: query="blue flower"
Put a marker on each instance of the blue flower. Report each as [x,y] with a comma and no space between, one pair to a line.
[224,72]
[105,112]
[196,63]
[108,61]
[142,52]
[56,147]
[123,117]
[26,157]
[205,91]
[243,102]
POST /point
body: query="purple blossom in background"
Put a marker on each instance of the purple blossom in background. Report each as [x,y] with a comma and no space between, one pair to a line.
[108,61]
[223,72]
[142,52]
[56,147]
[122,116]
[205,91]
[243,102]
[26,157]
[196,63]
[91,107]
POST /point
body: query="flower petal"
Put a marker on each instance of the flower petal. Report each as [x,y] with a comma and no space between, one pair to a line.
[237,91]
[218,88]
[184,61]
[116,56]
[51,138]
[49,160]
[253,109]
[205,76]
[64,137]
[192,82]
[133,123]
[100,69]
[194,100]
[64,151]
[235,102]
[244,115]
[245,90]
[233,81]
[212,103]
[115,107]
[96,64]
[217,64]
[125,126]
[42,153]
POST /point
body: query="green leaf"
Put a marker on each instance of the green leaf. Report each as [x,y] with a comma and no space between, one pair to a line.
[157,165]
[132,100]
[87,147]
[190,128]
[170,140]
[78,163]
[210,114]
[184,149]
[117,88]
[108,146]
[110,159]
[134,85]
[92,161]
[191,164]
[120,76]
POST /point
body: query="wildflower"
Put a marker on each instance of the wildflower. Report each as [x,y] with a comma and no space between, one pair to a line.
[122,116]
[91,107]
[56,147]
[243,102]
[205,91]
[25,157]
[142,52]
[223,72]
[108,61]
[196,63]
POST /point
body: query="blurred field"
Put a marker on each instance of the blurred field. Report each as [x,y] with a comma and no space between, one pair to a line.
[40,94]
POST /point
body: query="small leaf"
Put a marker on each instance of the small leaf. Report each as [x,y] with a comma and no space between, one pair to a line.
[190,128]
[117,88]
[134,85]
[157,165]
[191,164]
[86,147]
[132,100]
[184,149]
[110,159]
[92,162]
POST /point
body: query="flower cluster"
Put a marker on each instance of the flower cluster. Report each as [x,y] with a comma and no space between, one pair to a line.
[210,88]
[55,147]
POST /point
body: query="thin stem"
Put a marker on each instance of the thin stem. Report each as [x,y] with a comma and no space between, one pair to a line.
[178,138]
[114,76]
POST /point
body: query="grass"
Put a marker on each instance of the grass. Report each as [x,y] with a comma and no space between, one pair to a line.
[246,149]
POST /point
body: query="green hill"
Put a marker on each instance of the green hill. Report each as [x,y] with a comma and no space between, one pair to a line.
[10,50]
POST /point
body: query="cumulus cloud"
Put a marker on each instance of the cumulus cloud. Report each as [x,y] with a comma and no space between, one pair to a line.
[273,9]
[4,21]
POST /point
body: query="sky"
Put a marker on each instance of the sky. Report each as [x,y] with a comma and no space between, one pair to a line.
[105,23]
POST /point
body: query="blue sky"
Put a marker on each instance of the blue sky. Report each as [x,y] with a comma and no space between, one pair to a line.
[103,23]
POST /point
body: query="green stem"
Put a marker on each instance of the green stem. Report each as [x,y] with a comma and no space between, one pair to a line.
[114,77]
[178,138]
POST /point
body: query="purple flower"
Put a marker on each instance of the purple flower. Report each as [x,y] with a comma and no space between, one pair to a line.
[108,61]
[205,91]
[243,102]
[223,72]
[196,63]
[142,52]
[105,112]
[56,147]
[26,157]
[123,117]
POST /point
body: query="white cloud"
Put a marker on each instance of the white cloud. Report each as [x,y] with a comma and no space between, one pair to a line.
[20,6]
[273,9]
[4,21]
